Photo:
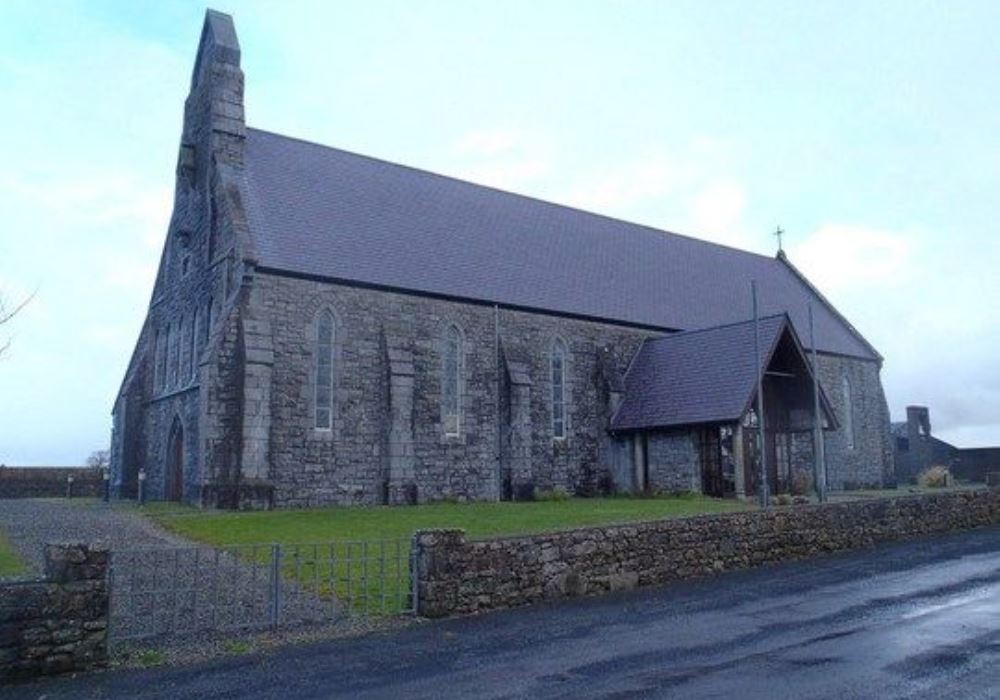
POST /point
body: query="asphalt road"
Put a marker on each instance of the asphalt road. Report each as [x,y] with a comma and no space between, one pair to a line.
[920,619]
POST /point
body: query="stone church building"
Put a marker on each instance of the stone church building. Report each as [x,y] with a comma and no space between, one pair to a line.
[330,328]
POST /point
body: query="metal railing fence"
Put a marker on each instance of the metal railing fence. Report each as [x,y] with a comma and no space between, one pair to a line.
[178,591]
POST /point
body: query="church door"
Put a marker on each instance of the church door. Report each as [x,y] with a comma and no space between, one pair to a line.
[175,463]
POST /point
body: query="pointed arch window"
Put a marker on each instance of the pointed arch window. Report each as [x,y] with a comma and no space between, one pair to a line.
[157,355]
[195,332]
[324,371]
[848,413]
[451,391]
[174,348]
[558,366]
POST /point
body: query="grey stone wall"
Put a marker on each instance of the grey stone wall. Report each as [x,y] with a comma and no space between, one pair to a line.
[456,576]
[49,482]
[869,461]
[388,374]
[674,461]
[60,624]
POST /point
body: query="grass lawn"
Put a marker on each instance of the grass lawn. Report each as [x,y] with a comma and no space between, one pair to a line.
[382,522]
[11,563]
[363,553]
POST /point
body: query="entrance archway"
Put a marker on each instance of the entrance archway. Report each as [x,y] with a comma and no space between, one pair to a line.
[175,462]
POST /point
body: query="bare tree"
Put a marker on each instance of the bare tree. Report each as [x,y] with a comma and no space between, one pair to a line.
[99,459]
[6,314]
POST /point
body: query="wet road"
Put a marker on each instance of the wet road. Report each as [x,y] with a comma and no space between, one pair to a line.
[920,619]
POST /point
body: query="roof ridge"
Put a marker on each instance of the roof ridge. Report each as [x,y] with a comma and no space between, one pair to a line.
[648,228]
[693,331]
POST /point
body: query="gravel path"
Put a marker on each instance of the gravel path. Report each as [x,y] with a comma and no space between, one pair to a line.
[31,523]
[164,586]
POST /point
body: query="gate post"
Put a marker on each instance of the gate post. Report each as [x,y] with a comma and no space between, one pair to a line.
[275,585]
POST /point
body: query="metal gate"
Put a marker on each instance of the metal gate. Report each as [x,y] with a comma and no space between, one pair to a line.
[179,591]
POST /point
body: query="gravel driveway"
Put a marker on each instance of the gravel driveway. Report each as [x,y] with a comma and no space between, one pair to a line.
[163,585]
[31,523]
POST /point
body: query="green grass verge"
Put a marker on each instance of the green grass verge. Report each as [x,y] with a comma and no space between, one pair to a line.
[11,563]
[479,520]
[362,555]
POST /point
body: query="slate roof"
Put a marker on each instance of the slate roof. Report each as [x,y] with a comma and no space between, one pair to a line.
[322,212]
[704,376]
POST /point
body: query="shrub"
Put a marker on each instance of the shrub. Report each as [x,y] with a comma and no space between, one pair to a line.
[783,499]
[935,478]
[801,482]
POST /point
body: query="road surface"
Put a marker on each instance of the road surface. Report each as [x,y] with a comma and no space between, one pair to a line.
[919,619]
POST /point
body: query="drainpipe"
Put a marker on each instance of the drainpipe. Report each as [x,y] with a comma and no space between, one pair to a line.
[819,449]
[499,420]
[764,492]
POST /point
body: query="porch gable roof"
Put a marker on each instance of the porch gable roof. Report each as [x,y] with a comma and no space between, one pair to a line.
[699,377]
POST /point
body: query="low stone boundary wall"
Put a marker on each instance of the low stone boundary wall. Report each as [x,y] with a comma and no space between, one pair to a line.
[456,576]
[49,482]
[59,624]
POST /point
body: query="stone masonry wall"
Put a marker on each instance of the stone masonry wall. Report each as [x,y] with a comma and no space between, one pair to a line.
[388,373]
[49,482]
[59,624]
[869,461]
[455,576]
[674,461]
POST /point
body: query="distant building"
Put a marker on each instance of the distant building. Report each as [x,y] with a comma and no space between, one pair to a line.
[329,328]
[915,449]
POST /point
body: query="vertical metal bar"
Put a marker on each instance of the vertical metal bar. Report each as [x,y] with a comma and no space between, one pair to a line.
[131,592]
[195,577]
[234,596]
[364,572]
[276,585]
[215,591]
[764,491]
[111,596]
[298,565]
[350,576]
[333,578]
[399,576]
[381,575]
[316,570]
[173,591]
[819,446]
[414,584]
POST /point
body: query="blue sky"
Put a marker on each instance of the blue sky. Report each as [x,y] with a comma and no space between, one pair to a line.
[868,131]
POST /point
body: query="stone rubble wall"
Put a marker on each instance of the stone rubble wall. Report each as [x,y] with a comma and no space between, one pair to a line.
[59,624]
[49,482]
[456,576]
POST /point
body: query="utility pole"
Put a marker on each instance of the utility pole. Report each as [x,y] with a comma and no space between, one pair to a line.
[762,450]
[819,448]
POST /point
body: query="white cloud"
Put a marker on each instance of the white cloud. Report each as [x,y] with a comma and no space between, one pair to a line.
[851,257]
[633,182]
